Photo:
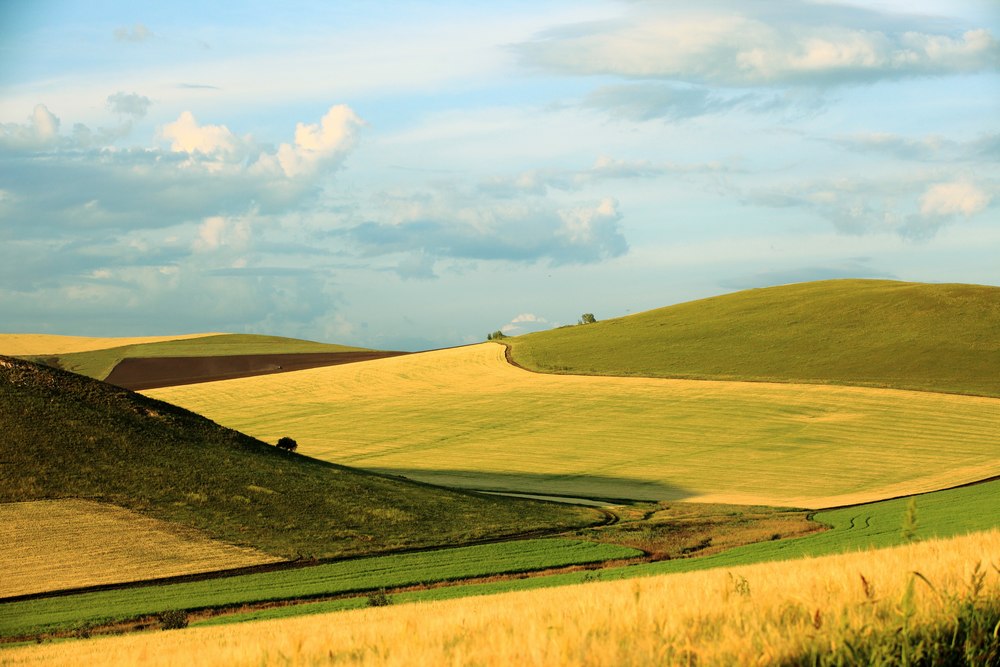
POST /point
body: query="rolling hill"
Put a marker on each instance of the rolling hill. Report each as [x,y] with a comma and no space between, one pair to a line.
[19,345]
[101,361]
[465,417]
[932,337]
[66,436]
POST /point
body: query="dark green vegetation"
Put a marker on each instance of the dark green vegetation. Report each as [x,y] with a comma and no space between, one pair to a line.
[366,574]
[859,332]
[98,363]
[670,530]
[67,436]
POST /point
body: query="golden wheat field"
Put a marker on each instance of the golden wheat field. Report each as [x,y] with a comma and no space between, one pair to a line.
[30,344]
[747,615]
[465,417]
[53,544]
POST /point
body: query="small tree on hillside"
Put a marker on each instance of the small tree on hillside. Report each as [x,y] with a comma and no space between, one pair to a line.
[287,443]
[587,318]
[496,335]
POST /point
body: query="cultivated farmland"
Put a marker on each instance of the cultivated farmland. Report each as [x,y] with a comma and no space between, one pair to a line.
[941,514]
[58,544]
[99,362]
[45,615]
[859,608]
[465,417]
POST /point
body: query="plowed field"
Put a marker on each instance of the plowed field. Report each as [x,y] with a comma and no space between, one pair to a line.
[148,373]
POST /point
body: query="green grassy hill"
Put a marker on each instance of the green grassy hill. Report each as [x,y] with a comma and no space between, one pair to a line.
[64,435]
[860,332]
[98,363]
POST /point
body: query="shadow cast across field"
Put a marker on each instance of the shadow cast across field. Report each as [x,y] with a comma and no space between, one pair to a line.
[569,487]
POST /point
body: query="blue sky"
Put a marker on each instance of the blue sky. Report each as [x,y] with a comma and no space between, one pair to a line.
[416,174]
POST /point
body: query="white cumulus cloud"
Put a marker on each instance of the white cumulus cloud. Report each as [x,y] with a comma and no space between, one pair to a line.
[319,144]
[41,130]
[955,198]
[186,135]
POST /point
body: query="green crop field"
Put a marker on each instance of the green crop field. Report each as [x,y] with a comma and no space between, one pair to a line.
[940,514]
[49,614]
[68,436]
[465,417]
[857,332]
[99,363]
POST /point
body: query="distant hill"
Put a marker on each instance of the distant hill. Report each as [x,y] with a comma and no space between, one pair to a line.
[100,361]
[937,337]
[64,435]
[18,345]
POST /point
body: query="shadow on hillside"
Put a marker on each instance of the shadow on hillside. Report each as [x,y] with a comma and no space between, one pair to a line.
[601,487]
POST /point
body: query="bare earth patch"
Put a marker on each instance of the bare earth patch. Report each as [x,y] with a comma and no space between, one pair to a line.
[137,373]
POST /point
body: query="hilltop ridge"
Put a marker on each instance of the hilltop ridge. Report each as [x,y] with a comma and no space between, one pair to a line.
[879,333]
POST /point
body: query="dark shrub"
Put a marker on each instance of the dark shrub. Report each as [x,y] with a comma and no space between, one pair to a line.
[379,599]
[174,619]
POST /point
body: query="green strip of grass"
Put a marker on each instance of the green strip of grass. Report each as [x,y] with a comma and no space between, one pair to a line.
[99,363]
[861,332]
[46,615]
[875,525]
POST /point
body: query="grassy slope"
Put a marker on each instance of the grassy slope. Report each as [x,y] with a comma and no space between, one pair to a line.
[99,363]
[860,332]
[465,417]
[69,436]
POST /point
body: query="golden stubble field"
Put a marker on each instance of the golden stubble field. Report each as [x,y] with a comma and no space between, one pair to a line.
[31,344]
[746,615]
[465,417]
[54,544]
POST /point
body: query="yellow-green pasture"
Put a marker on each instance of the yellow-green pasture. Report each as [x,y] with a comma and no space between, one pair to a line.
[465,417]
[53,544]
[14,345]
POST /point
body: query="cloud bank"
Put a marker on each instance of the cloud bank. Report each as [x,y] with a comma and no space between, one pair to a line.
[740,44]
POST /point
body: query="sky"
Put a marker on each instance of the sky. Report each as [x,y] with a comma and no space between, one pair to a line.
[413,175]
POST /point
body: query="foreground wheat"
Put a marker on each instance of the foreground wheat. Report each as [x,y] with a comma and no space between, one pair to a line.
[760,614]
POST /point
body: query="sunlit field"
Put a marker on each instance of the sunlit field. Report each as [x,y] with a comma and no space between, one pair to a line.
[55,544]
[465,417]
[936,596]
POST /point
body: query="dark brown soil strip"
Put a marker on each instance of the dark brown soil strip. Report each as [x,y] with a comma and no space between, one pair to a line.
[137,373]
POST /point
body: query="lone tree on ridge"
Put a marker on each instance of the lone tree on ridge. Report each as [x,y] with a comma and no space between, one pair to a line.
[287,443]
[587,318]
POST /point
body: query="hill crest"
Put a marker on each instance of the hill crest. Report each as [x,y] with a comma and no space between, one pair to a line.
[931,337]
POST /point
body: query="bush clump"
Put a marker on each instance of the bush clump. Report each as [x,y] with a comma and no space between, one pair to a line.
[174,619]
